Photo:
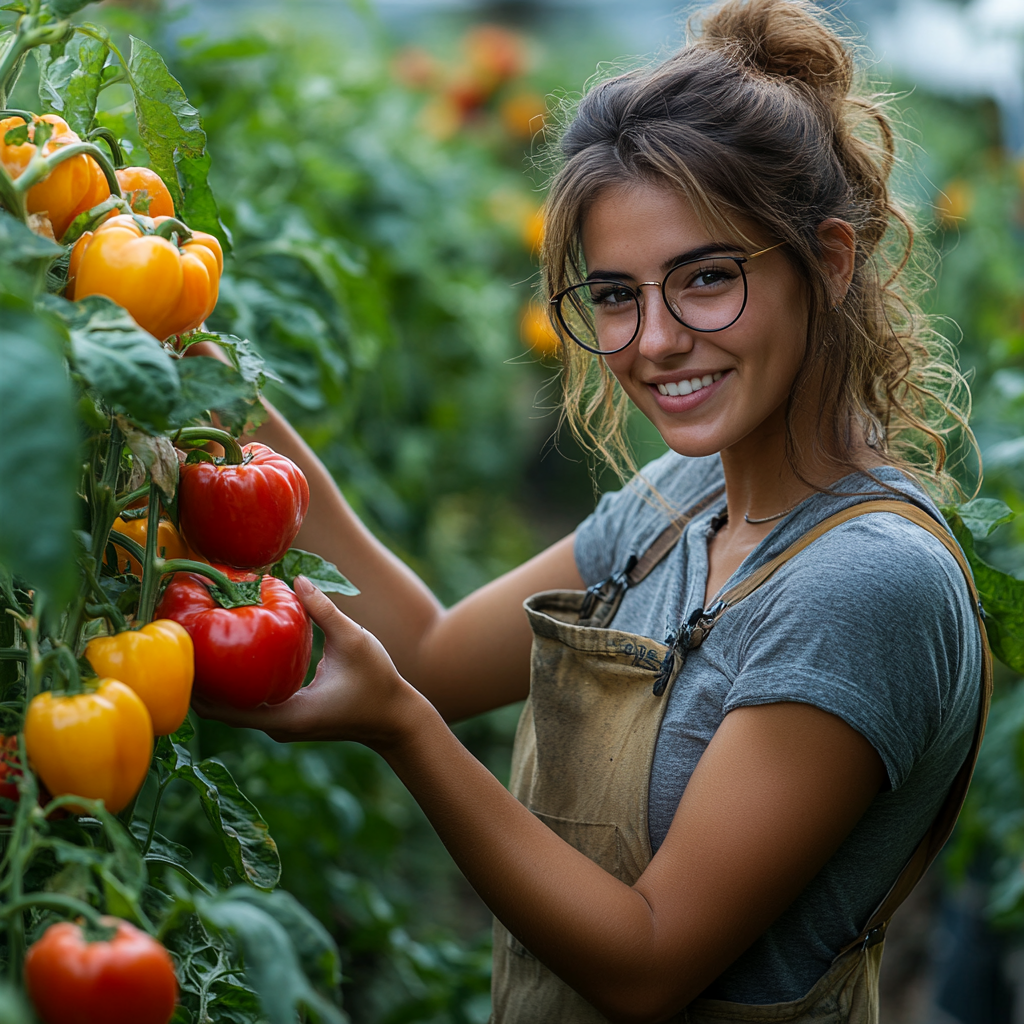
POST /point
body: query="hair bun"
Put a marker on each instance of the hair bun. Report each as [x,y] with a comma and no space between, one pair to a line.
[782,38]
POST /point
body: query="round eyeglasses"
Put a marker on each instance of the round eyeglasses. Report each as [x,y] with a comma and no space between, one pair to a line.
[604,315]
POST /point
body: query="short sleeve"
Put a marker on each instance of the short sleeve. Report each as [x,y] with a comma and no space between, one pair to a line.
[625,522]
[872,623]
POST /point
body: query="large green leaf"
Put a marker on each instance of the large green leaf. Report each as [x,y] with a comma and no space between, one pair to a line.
[208,384]
[24,257]
[39,456]
[982,515]
[271,963]
[62,8]
[13,1008]
[69,81]
[172,132]
[1002,597]
[243,832]
[316,949]
[124,363]
[322,574]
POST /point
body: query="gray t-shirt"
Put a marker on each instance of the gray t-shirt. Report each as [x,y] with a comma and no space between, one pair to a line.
[873,623]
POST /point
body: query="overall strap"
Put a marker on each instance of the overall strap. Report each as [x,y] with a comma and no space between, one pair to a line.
[601,600]
[942,825]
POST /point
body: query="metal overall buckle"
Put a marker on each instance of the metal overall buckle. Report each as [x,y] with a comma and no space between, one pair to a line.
[690,635]
[617,581]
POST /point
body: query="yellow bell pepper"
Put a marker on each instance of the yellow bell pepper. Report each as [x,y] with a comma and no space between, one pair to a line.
[96,745]
[157,662]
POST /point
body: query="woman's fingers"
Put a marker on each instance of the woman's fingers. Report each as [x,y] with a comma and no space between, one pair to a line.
[282,721]
[339,630]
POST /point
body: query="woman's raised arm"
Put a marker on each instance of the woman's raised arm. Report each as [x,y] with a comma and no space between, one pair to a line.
[467,659]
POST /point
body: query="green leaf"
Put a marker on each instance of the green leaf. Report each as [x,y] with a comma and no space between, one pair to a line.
[124,363]
[208,384]
[20,245]
[322,574]
[1002,597]
[313,943]
[16,136]
[244,833]
[62,8]
[172,132]
[39,459]
[161,848]
[982,515]
[69,83]
[13,1008]
[271,963]
[24,257]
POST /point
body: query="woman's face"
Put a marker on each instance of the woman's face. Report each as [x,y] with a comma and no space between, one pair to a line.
[638,234]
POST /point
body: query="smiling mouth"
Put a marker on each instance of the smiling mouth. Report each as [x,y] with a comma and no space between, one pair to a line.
[687,387]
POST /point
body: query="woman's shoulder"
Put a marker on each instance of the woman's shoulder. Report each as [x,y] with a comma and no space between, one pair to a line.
[626,521]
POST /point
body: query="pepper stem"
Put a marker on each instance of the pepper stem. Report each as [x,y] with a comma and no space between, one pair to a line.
[173,226]
[233,455]
[150,574]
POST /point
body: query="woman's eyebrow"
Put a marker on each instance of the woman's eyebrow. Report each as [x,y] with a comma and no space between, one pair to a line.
[699,252]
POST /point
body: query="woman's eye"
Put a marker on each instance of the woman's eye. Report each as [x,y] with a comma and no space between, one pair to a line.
[610,297]
[711,277]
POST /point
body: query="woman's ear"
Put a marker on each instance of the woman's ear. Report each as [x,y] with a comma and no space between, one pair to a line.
[839,247]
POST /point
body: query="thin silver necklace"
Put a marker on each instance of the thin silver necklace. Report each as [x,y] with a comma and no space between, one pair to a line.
[768,519]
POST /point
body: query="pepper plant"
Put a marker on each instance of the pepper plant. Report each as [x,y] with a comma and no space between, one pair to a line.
[96,412]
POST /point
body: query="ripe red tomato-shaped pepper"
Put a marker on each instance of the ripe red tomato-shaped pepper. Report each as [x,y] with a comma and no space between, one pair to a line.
[245,515]
[247,656]
[9,772]
[128,979]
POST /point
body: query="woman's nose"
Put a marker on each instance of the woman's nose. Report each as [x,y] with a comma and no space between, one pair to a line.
[661,334]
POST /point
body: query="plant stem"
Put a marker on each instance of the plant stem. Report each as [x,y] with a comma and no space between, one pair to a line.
[40,166]
[62,654]
[199,569]
[54,900]
[139,492]
[150,573]
[13,654]
[13,201]
[151,831]
[233,455]
[116,153]
[28,35]
[109,611]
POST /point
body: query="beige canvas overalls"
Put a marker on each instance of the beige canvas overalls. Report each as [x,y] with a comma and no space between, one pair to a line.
[582,761]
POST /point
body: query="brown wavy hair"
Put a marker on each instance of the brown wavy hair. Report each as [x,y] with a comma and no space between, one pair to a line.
[758,118]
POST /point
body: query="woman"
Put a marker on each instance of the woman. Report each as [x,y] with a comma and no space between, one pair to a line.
[718,782]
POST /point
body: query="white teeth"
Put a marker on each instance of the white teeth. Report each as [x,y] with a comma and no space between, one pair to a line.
[687,387]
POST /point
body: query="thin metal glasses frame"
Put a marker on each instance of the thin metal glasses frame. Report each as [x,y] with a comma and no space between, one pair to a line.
[556,300]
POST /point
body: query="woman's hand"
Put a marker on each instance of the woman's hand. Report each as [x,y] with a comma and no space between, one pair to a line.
[357,693]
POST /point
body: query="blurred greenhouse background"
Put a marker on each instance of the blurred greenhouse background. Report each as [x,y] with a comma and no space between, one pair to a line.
[380,167]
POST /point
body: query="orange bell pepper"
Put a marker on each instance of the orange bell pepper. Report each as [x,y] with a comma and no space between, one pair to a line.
[168,288]
[157,662]
[71,188]
[168,541]
[146,192]
[96,745]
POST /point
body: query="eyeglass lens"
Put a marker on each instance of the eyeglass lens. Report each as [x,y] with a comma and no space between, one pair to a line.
[705,295]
